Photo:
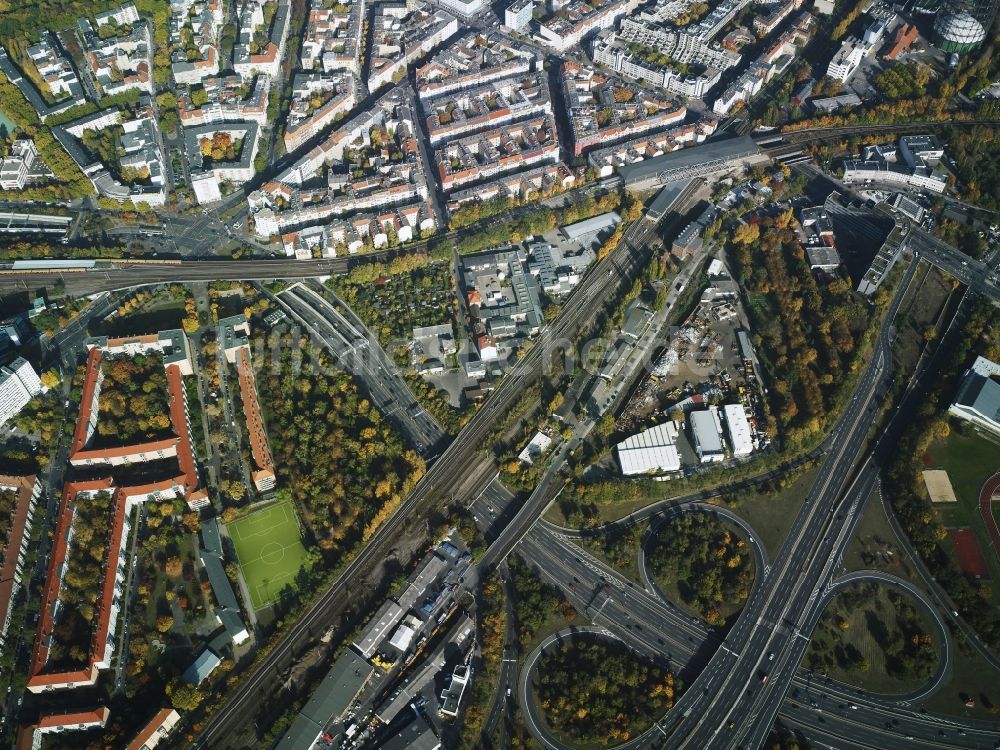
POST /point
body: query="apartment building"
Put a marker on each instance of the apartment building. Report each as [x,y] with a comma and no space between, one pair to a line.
[332,38]
[382,138]
[337,93]
[489,105]
[772,62]
[15,169]
[852,51]
[401,35]
[473,61]
[764,25]
[250,57]
[123,62]
[157,730]
[54,68]
[506,149]
[578,21]
[25,492]
[31,736]
[141,151]
[521,186]
[517,15]
[616,56]
[194,25]
[233,337]
[208,175]
[229,99]
[59,76]
[681,45]
[19,383]
[602,111]
[608,160]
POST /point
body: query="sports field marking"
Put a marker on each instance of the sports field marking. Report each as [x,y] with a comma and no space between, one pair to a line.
[970,556]
[272,553]
[269,550]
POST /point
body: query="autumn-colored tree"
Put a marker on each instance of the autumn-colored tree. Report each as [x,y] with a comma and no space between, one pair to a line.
[183,696]
[173,567]
[164,623]
[50,378]
[191,521]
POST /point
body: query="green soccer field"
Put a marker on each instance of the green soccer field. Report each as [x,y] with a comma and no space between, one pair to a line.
[269,549]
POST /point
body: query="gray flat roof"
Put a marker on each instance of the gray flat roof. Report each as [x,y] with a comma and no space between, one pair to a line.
[706,431]
[31,265]
[223,590]
[592,225]
[417,735]
[338,689]
[330,700]
[666,197]
[691,158]
[302,735]
[211,538]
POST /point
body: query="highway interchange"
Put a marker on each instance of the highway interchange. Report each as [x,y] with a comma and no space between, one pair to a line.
[731,686]
[461,471]
[727,702]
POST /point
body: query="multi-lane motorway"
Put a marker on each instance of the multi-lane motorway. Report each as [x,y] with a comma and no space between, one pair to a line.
[460,472]
[734,679]
[357,351]
[737,693]
[656,628]
[737,677]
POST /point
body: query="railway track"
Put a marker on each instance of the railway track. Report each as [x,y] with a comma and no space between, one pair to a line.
[461,466]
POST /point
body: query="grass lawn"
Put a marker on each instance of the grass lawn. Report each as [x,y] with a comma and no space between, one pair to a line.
[771,514]
[867,626]
[969,677]
[874,546]
[969,458]
[269,549]
[921,309]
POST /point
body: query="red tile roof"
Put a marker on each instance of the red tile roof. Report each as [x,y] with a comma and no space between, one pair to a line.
[179,421]
[187,482]
[24,487]
[251,407]
[150,729]
[97,716]
[86,400]
[52,586]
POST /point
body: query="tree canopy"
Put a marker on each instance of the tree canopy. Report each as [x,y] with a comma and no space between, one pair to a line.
[346,467]
[711,564]
[599,692]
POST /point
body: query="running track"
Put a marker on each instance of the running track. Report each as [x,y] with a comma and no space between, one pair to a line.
[986,510]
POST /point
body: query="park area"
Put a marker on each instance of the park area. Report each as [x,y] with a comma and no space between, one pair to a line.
[873,636]
[269,548]
[970,459]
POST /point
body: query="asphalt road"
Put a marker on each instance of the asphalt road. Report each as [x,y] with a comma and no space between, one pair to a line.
[658,629]
[357,351]
[941,635]
[737,682]
[460,472]
[721,687]
[762,567]
[900,724]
